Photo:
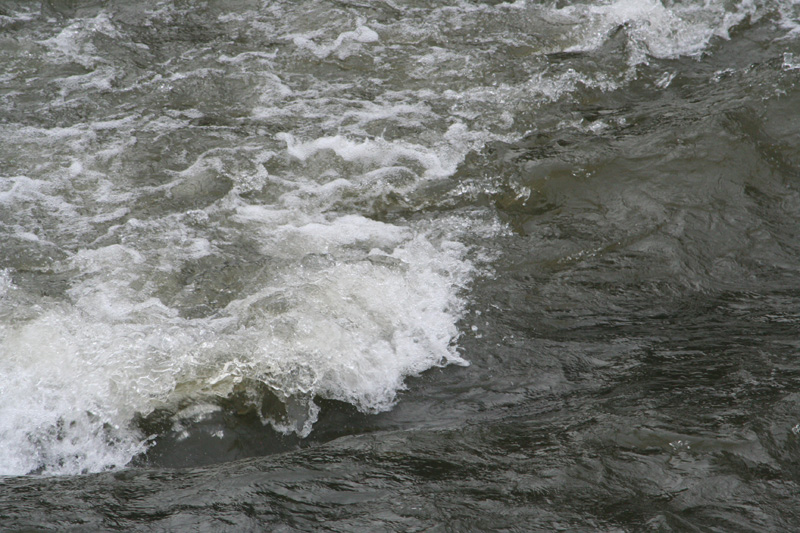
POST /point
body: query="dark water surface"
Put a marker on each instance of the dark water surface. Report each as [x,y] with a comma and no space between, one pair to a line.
[400,266]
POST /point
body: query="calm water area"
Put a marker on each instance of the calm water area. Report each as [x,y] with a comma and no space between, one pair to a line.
[400,265]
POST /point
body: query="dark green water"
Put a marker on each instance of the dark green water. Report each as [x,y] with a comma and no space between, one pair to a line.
[400,266]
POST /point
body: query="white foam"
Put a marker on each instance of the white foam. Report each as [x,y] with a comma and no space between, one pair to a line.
[346,44]
[59,412]
[5,283]
[352,229]
[654,29]
[351,308]
[351,326]
[324,300]
[73,43]
[789,12]
[378,152]
[354,329]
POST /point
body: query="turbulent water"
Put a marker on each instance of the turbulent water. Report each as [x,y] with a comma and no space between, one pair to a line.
[400,265]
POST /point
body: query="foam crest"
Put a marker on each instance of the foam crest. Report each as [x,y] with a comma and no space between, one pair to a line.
[789,13]
[203,257]
[352,325]
[47,423]
[655,29]
[348,308]
[345,45]
[349,325]
[74,43]
[376,153]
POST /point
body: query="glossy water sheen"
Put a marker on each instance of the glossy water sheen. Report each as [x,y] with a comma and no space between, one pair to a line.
[400,266]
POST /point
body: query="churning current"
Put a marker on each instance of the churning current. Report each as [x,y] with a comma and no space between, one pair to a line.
[400,265]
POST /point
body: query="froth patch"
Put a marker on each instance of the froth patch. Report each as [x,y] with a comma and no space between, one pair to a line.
[61,413]
[349,308]
[346,44]
[375,153]
[353,328]
[352,229]
[654,29]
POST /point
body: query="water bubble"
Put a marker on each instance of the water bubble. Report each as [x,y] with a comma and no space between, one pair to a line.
[680,445]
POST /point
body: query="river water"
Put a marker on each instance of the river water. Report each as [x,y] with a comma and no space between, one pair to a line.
[400,265]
